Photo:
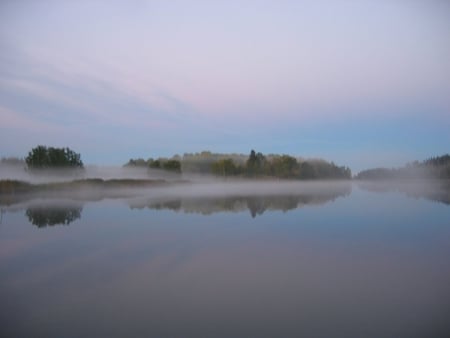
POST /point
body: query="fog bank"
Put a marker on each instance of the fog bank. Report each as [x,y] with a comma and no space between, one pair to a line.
[14,172]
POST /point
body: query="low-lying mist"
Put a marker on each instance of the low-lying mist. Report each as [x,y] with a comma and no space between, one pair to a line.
[434,190]
[256,197]
[162,191]
[248,188]
[48,208]
[145,187]
[13,172]
[63,203]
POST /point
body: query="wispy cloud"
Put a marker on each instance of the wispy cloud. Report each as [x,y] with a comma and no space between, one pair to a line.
[91,97]
[20,121]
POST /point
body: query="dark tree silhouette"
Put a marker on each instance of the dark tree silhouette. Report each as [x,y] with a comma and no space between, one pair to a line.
[255,163]
[42,157]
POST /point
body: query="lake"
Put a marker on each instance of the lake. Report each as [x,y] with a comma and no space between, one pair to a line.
[228,260]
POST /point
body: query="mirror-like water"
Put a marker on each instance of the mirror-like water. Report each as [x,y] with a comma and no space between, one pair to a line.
[342,261]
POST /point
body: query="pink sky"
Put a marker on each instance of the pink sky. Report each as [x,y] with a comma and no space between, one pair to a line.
[182,76]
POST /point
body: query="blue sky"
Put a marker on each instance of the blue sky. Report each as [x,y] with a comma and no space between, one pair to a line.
[361,83]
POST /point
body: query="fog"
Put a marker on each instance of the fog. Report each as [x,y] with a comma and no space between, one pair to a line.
[242,188]
[17,172]
[161,191]
[434,190]
[208,196]
[146,188]
[256,197]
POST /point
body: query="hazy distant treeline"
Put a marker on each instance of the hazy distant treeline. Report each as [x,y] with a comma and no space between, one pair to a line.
[13,161]
[435,167]
[252,165]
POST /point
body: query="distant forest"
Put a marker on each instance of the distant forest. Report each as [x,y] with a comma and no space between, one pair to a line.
[254,165]
[432,168]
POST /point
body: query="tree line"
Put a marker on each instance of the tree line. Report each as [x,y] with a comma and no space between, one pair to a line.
[255,165]
[433,168]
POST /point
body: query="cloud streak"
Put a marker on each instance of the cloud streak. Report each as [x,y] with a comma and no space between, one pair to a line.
[19,121]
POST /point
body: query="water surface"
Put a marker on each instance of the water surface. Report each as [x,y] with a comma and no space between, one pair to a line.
[341,261]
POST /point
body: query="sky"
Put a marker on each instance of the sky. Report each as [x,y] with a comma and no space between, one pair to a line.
[361,83]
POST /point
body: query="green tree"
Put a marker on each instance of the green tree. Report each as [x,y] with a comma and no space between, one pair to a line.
[42,157]
[285,166]
[224,167]
[154,164]
[255,163]
[172,165]
[139,162]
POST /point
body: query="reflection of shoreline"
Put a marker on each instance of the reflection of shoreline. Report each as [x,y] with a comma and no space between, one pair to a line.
[64,206]
[433,190]
[256,204]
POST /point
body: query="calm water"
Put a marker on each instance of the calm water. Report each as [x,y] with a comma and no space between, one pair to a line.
[338,262]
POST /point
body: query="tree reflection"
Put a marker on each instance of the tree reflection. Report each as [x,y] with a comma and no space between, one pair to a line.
[433,190]
[43,216]
[256,205]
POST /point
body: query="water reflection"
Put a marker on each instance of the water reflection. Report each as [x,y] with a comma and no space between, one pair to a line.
[44,215]
[372,266]
[438,190]
[202,198]
[255,204]
[255,197]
